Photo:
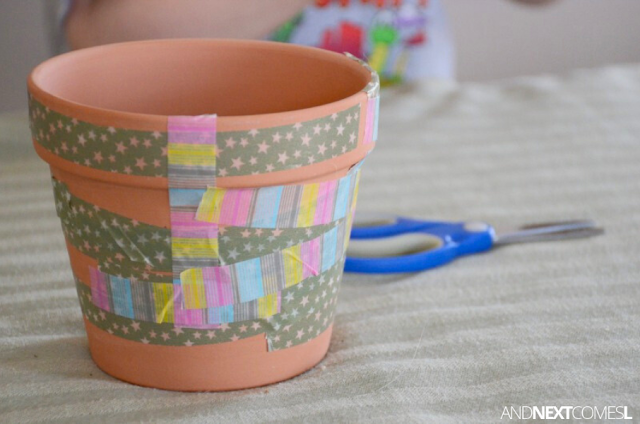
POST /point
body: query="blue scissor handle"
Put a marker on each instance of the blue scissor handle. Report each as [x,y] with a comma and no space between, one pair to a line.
[456,239]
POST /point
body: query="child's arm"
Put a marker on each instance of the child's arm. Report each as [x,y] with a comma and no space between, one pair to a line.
[94,22]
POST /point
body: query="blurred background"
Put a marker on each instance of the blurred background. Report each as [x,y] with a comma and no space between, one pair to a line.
[494,39]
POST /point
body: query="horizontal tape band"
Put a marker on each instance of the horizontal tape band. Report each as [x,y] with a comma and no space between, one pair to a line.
[263,276]
[123,151]
[121,245]
[166,303]
[281,206]
[240,153]
[305,313]
[179,305]
[265,150]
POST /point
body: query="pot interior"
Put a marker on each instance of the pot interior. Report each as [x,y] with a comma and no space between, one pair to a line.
[194,77]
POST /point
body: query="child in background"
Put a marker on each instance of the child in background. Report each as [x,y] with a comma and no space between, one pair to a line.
[402,39]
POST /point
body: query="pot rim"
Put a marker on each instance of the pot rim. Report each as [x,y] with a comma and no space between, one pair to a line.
[146,121]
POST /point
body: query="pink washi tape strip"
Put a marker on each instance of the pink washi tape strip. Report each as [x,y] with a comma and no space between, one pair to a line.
[291,206]
[191,151]
[191,157]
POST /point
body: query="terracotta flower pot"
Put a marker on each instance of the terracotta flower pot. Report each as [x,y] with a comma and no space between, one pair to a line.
[206,190]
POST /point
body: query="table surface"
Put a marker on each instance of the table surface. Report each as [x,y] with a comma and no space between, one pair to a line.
[539,324]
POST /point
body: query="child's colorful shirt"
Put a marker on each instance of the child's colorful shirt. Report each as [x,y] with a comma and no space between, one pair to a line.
[401,39]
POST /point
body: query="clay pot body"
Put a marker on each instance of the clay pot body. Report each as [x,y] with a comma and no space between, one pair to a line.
[133,88]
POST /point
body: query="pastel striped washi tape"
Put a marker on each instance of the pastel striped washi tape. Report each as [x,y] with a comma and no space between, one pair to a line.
[194,243]
[166,303]
[246,290]
[307,309]
[122,296]
[372,89]
[192,165]
[371,121]
[263,276]
[191,151]
[290,206]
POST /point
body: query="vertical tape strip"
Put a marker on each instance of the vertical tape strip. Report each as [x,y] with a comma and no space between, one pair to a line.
[376,118]
[372,89]
[371,121]
[205,298]
[192,151]
[192,168]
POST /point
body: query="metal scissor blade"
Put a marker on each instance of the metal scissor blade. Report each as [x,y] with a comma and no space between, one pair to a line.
[561,230]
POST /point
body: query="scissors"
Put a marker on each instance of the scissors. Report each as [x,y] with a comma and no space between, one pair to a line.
[384,244]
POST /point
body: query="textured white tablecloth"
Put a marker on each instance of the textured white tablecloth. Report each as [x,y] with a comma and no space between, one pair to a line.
[540,324]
